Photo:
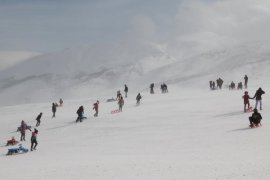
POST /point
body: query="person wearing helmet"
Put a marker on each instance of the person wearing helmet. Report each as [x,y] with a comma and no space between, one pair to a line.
[246,101]
[255,118]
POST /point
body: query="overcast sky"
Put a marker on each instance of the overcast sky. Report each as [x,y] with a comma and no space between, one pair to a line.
[52,25]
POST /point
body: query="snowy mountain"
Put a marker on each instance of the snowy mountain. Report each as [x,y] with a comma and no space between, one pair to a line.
[103,69]
[189,133]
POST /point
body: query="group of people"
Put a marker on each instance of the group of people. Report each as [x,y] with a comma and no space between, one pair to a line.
[255,118]
[55,105]
[219,83]
[164,88]
[23,128]
[239,86]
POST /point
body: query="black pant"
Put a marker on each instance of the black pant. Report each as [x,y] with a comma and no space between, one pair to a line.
[33,144]
[22,136]
[79,118]
[38,123]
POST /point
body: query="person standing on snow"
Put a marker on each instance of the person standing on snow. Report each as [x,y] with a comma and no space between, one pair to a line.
[34,142]
[152,88]
[23,129]
[246,81]
[258,97]
[96,108]
[61,102]
[80,113]
[246,101]
[53,109]
[38,119]
[121,103]
[138,98]
[118,94]
[126,90]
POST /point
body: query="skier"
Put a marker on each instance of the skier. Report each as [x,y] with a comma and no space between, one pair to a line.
[96,108]
[255,119]
[53,109]
[258,97]
[23,129]
[121,103]
[80,113]
[61,101]
[246,81]
[246,101]
[152,88]
[38,119]
[138,98]
[34,142]
[126,90]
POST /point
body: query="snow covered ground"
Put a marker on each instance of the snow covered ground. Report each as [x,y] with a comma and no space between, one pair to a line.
[185,134]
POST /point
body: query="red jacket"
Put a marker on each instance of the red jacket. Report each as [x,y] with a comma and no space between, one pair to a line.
[246,98]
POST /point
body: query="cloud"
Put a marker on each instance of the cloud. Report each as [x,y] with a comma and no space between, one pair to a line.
[201,25]
[10,58]
[143,28]
[185,25]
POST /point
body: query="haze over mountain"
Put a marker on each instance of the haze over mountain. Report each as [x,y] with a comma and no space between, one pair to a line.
[103,69]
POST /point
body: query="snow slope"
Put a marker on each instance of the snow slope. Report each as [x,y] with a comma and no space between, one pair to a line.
[185,134]
[104,69]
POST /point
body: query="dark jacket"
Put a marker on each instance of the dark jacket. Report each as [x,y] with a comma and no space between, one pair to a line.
[80,111]
[259,94]
[256,116]
[139,97]
[54,107]
[39,117]
[126,89]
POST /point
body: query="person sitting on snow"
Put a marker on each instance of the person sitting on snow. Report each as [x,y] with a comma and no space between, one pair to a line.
[255,118]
